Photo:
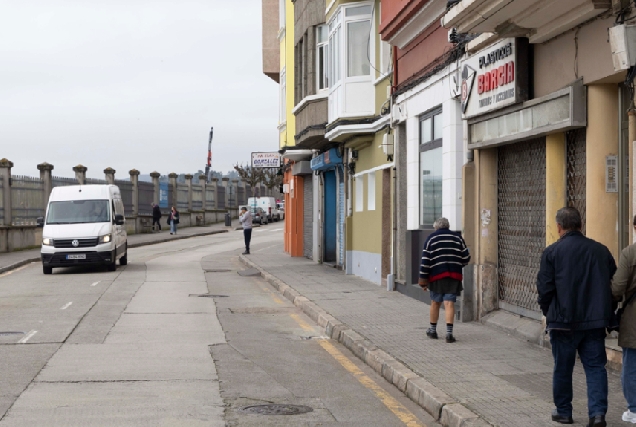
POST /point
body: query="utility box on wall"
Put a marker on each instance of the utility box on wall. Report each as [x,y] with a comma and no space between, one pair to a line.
[623,43]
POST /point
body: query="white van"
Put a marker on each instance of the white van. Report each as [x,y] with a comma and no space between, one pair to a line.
[84,225]
[268,204]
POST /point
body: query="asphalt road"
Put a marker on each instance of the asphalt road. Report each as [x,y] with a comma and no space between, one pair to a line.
[140,346]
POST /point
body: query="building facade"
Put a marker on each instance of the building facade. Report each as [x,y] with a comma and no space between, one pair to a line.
[546,113]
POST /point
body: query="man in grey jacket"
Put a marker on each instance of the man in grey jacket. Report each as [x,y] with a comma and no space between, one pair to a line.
[246,221]
[623,288]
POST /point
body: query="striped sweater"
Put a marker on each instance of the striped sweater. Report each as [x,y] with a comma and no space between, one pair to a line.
[444,255]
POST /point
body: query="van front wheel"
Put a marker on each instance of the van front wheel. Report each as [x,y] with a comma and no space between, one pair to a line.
[47,270]
[112,266]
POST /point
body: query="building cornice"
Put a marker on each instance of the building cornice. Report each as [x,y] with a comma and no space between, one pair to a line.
[429,14]
[352,129]
[309,99]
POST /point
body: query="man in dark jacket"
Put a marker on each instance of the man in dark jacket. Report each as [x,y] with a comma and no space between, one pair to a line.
[443,258]
[156,216]
[576,298]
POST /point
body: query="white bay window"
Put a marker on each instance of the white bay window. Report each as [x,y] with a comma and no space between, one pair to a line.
[351,54]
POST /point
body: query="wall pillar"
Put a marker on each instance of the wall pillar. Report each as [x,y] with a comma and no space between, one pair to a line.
[155,182]
[188,179]
[203,183]
[469,232]
[46,175]
[80,174]
[172,201]
[555,183]
[225,183]
[5,173]
[487,214]
[134,180]
[601,141]
[214,204]
[109,175]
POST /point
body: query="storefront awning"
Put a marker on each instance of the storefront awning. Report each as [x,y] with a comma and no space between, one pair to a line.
[327,160]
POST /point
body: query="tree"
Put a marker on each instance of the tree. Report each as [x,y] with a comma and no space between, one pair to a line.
[250,175]
[272,179]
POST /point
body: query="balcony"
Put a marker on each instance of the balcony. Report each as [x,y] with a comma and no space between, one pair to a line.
[539,20]
[311,121]
[271,45]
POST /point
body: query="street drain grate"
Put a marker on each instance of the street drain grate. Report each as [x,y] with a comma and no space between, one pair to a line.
[7,333]
[208,296]
[218,270]
[276,409]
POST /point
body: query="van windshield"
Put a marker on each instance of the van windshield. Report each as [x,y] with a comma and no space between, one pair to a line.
[78,212]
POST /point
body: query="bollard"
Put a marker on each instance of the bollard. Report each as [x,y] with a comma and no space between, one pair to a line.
[228,219]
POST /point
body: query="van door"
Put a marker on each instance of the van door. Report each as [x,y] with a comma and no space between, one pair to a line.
[119,230]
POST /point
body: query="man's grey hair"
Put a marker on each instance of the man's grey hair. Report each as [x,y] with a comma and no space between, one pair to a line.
[569,219]
[441,223]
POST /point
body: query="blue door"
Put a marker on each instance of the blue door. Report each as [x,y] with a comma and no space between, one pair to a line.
[329,226]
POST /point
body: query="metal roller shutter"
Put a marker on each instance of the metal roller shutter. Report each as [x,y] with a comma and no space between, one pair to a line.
[308,216]
[521,224]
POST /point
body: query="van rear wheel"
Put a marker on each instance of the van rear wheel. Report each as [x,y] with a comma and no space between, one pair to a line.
[47,270]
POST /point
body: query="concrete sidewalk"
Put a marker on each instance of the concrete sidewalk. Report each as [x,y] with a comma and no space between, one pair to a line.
[486,378]
[11,260]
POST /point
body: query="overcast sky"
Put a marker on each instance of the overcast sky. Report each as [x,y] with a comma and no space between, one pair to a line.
[133,84]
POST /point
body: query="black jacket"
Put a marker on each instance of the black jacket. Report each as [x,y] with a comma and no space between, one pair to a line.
[156,213]
[574,283]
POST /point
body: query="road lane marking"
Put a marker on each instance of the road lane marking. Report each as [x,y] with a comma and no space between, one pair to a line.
[15,270]
[389,401]
[28,337]
[67,305]
[95,284]
[277,229]
[302,323]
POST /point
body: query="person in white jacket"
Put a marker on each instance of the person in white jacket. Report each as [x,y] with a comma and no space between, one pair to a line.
[246,221]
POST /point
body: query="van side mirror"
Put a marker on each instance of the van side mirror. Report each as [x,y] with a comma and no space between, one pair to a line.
[119,219]
[40,221]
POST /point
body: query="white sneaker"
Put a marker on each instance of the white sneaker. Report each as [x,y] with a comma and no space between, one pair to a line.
[629,417]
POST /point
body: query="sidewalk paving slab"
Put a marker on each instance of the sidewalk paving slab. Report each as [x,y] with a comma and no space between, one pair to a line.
[487,377]
[13,260]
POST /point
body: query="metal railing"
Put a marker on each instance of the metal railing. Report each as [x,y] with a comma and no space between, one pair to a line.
[146,197]
[28,196]
[126,190]
[197,197]
[182,197]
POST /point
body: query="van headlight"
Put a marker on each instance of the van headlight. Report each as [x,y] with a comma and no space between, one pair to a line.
[47,242]
[106,238]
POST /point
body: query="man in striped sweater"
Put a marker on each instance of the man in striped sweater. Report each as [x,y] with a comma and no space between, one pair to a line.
[444,256]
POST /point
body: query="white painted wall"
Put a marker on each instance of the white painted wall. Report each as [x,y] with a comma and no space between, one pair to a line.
[410,106]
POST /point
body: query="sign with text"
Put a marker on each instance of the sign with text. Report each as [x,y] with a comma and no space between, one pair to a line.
[494,78]
[266,160]
[163,194]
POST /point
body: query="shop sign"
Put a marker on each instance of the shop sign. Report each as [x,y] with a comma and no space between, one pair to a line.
[327,160]
[266,160]
[492,79]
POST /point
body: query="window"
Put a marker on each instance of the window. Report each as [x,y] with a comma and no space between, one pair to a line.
[322,44]
[430,167]
[358,34]
[334,53]
[283,97]
[359,193]
[371,191]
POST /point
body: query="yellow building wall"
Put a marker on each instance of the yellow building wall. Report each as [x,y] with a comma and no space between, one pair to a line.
[287,62]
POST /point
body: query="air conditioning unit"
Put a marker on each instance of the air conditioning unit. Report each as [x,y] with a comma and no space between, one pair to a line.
[623,44]
[387,144]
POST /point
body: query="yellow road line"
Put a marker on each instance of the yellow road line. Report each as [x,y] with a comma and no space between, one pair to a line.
[7,273]
[302,323]
[393,405]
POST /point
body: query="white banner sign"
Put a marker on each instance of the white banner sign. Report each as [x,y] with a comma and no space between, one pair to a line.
[266,160]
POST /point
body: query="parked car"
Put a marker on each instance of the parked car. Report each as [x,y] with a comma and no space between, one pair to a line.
[281,209]
[258,216]
[268,204]
[84,225]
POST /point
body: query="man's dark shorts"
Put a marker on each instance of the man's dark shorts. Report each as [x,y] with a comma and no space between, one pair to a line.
[443,297]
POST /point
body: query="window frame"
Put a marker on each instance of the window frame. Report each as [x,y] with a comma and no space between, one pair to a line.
[432,144]
[283,96]
[371,181]
[359,193]
[325,58]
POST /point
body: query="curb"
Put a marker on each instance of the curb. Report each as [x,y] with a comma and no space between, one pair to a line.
[442,407]
[132,246]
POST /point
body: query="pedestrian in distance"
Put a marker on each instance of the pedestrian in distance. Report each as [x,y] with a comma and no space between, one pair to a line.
[156,216]
[246,221]
[173,220]
[443,258]
[574,286]
[624,288]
